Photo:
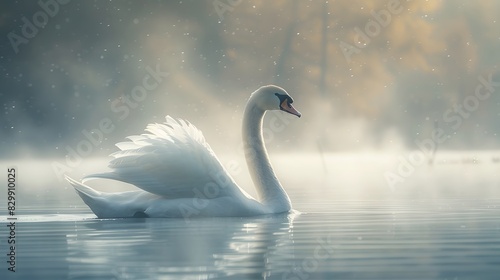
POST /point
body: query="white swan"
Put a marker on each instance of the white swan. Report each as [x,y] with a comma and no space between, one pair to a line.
[180,176]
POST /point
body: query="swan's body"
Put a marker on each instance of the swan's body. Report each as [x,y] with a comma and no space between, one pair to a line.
[180,176]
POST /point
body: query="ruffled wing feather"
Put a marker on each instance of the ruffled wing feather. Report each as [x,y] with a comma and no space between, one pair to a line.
[172,160]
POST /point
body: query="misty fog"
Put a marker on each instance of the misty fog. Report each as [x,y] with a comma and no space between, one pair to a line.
[371,76]
[391,172]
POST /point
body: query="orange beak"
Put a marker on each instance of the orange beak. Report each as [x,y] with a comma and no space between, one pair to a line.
[285,106]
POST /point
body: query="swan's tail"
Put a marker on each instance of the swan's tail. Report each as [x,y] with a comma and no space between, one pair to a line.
[114,205]
[91,197]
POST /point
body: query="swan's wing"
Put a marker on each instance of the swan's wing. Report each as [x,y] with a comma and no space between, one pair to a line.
[171,160]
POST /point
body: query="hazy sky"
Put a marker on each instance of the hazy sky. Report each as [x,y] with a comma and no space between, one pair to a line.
[366,75]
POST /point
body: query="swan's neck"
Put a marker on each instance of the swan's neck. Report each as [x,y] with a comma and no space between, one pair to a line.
[270,191]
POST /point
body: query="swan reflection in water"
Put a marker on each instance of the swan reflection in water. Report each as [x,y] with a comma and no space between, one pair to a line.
[201,248]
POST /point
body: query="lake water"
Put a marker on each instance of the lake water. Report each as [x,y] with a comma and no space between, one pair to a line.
[441,222]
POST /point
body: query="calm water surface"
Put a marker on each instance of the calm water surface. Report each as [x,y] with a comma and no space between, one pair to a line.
[453,235]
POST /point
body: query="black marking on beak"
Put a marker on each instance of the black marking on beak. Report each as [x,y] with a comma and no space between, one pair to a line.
[286,104]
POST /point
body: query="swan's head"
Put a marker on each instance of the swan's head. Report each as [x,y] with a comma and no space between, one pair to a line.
[274,98]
